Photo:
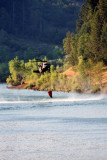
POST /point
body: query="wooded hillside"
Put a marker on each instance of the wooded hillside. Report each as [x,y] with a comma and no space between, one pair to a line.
[40,20]
[90,42]
[34,29]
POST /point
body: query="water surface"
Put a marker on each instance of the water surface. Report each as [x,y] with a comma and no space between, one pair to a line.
[69,126]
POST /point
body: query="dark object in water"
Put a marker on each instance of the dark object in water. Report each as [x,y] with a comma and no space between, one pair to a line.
[50,93]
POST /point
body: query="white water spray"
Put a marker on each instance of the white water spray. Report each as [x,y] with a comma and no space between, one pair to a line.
[70,99]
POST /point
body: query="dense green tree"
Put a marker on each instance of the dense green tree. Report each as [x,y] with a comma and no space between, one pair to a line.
[91,32]
[95,37]
[82,46]
[104,42]
[17,70]
[69,45]
[102,8]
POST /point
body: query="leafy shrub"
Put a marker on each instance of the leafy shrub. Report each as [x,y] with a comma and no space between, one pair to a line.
[96,89]
[9,80]
[29,86]
[78,89]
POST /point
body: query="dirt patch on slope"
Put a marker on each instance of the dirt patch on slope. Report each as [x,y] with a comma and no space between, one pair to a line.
[70,73]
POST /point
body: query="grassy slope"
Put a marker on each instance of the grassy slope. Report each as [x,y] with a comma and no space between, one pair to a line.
[70,73]
[104,81]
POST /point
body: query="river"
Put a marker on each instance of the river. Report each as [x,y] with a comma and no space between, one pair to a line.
[69,126]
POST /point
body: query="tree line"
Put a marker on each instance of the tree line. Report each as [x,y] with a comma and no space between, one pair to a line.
[90,42]
[22,72]
[87,50]
[89,77]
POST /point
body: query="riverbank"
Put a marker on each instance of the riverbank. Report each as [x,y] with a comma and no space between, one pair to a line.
[68,85]
[24,86]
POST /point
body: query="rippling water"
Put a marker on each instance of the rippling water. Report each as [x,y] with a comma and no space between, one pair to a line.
[67,127]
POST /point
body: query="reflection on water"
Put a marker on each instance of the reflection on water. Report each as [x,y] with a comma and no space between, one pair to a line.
[68,127]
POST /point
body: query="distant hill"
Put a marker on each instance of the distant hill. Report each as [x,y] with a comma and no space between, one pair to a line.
[40,20]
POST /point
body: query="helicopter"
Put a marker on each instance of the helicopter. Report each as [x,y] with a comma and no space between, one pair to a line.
[43,67]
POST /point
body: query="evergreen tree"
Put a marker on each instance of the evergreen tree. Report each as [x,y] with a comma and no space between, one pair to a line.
[95,37]
[69,45]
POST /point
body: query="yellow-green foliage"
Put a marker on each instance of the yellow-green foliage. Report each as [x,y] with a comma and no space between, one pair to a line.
[47,80]
[95,89]
[29,86]
[9,80]
[89,76]
[23,72]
